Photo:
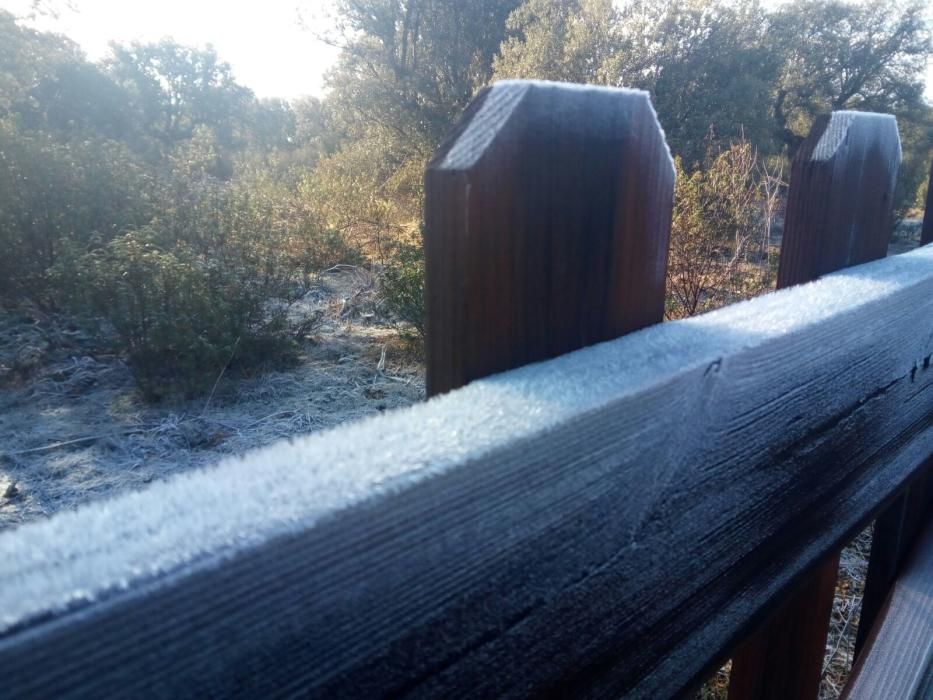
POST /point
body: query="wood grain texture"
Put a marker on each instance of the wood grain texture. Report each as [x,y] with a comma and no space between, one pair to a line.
[654,494]
[547,220]
[926,233]
[839,214]
[896,533]
[898,659]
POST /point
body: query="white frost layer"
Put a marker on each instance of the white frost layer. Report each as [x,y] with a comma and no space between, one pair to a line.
[105,546]
[869,126]
[485,124]
[499,106]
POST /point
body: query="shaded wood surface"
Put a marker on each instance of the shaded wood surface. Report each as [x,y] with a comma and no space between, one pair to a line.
[896,532]
[784,658]
[898,659]
[839,214]
[547,219]
[926,233]
[648,500]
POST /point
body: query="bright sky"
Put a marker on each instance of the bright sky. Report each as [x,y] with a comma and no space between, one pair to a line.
[263,40]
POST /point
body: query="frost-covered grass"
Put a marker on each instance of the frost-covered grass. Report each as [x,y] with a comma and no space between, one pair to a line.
[73,428]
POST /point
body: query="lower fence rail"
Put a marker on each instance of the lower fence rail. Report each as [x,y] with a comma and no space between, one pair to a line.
[897,659]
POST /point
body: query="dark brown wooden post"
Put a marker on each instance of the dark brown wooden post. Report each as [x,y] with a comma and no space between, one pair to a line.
[926,233]
[839,213]
[841,196]
[547,220]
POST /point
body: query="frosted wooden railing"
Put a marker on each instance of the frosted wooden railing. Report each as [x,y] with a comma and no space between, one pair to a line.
[612,521]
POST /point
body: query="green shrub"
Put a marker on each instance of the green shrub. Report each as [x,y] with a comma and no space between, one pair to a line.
[181,318]
[204,283]
[403,286]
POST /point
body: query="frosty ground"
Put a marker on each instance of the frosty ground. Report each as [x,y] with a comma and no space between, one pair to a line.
[73,429]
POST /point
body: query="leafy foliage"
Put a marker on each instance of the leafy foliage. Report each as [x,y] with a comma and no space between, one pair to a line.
[181,319]
[153,190]
[569,40]
[58,196]
[403,287]
[719,212]
[837,55]
[173,89]
[731,67]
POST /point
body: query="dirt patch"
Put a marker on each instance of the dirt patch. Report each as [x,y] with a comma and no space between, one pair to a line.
[73,429]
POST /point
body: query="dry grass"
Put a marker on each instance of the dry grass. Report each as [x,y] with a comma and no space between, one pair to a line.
[843,625]
[717,687]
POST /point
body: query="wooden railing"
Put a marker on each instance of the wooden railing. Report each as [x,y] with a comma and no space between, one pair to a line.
[608,521]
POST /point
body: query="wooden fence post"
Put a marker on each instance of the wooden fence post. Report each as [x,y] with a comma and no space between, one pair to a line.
[839,213]
[547,221]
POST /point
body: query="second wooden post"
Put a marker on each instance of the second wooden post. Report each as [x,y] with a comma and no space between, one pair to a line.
[838,215]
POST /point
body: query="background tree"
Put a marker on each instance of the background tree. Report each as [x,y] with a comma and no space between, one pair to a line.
[835,55]
[26,57]
[706,66]
[568,40]
[730,65]
[704,62]
[411,66]
[175,88]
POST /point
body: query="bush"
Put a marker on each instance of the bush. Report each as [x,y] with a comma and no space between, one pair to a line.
[56,197]
[179,317]
[720,212]
[207,281]
[403,286]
